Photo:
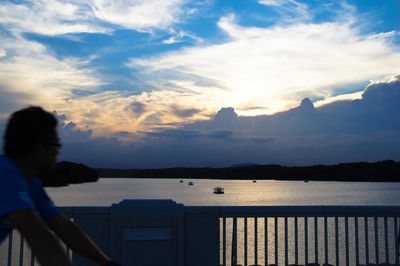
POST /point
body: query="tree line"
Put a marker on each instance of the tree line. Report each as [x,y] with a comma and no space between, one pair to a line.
[381,171]
[67,173]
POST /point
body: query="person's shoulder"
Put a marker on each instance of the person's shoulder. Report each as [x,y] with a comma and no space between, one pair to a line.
[9,172]
[36,183]
[6,163]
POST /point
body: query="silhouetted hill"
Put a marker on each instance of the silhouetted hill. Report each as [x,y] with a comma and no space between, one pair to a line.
[381,171]
[69,173]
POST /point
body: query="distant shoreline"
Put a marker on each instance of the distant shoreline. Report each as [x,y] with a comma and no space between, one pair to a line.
[381,171]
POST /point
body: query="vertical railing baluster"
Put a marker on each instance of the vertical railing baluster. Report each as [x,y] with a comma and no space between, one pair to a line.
[337,239]
[234,242]
[346,228]
[356,238]
[69,253]
[286,241]
[386,241]
[224,241]
[376,240]
[276,240]
[396,239]
[316,239]
[296,243]
[306,240]
[32,259]
[326,239]
[366,240]
[21,251]
[10,240]
[255,241]
[245,241]
[266,240]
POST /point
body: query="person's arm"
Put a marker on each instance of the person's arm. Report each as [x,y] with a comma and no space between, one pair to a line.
[42,241]
[77,239]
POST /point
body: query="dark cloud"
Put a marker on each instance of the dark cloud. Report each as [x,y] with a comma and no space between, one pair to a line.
[153,118]
[122,134]
[69,132]
[60,117]
[79,93]
[138,108]
[221,134]
[175,133]
[184,112]
[11,101]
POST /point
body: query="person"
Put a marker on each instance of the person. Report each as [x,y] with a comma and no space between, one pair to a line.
[31,146]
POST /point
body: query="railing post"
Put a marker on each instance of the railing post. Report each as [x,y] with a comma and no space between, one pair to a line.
[202,236]
[147,232]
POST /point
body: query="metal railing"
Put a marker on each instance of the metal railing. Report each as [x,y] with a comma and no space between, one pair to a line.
[287,235]
[281,235]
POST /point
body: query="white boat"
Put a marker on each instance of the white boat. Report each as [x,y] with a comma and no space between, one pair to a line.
[218,190]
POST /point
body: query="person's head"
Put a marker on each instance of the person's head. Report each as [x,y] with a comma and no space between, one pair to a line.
[32,132]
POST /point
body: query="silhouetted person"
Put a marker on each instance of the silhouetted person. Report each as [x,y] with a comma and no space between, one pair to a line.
[31,147]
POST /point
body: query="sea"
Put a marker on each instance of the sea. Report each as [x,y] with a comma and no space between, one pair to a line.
[199,192]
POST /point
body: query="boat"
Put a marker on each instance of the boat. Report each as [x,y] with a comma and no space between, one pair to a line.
[181,181]
[218,190]
[190,183]
[254,181]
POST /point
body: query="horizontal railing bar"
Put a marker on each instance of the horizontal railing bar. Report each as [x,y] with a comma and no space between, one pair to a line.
[293,211]
[263,211]
[70,211]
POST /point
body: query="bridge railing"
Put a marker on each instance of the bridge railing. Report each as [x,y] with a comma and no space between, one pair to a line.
[142,232]
[301,235]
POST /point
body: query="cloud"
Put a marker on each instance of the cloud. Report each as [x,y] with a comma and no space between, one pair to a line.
[290,10]
[181,36]
[138,108]
[31,75]
[273,67]
[366,129]
[139,14]
[250,70]
[347,130]
[374,112]
[69,132]
[3,52]
[48,17]
[98,16]
[184,112]
[255,70]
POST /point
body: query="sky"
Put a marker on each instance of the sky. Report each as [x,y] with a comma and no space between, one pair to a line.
[170,83]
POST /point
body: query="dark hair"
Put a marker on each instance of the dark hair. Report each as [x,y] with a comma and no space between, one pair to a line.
[26,128]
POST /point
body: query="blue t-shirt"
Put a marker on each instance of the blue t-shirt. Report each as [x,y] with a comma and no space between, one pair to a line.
[17,193]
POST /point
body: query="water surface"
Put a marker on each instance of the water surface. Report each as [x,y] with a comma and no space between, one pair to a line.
[237,192]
